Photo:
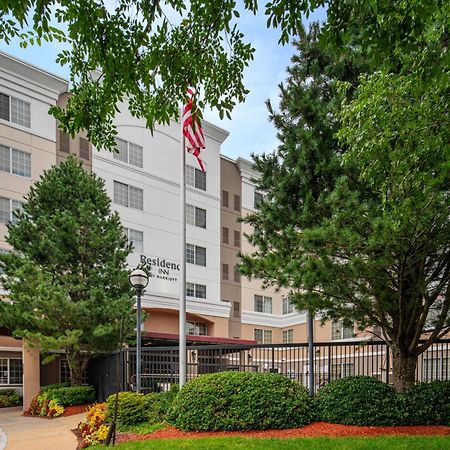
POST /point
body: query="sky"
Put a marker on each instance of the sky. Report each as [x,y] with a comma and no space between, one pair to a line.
[249,128]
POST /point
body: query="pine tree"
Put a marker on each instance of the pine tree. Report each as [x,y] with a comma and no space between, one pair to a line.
[356,215]
[66,275]
[297,178]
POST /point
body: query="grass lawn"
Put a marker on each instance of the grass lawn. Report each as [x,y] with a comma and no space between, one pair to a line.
[353,443]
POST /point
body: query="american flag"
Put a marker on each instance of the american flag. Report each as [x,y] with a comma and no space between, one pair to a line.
[192,130]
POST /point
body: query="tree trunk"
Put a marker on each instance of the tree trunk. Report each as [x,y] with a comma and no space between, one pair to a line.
[77,366]
[403,370]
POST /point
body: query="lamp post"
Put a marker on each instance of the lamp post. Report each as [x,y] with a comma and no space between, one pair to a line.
[139,281]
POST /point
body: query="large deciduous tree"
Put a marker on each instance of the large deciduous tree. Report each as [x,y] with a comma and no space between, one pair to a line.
[66,275]
[377,249]
[149,51]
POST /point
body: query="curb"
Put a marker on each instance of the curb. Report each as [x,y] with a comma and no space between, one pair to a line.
[3,439]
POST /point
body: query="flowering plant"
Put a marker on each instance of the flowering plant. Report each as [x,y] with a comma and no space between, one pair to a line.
[42,406]
[94,429]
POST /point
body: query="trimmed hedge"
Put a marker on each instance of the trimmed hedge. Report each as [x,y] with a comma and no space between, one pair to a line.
[427,404]
[132,408]
[160,403]
[240,401]
[50,387]
[72,395]
[358,400]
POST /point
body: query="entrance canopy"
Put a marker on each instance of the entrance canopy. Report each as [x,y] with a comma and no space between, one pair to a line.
[153,338]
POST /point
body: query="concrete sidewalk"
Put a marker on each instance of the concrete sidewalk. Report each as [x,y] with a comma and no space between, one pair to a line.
[34,433]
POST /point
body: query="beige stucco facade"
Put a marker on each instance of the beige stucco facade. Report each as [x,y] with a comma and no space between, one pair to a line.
[32,134]
[231,239]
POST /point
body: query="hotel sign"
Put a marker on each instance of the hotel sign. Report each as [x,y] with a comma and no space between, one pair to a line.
[161,268]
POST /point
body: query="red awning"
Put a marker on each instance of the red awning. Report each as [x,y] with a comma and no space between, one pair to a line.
[190,338]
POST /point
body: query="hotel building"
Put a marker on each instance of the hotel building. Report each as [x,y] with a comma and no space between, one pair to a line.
[142,179]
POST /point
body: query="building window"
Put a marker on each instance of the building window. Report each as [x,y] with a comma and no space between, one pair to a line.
[64,142]
[129,153]
[196,216]
[237,275]
[237,238]
[64,371]
[288,336]
[342,370]
[15,110]
[15,161]
[224,271]
[340,331]
[196,178]
[84,149]
[288,307]
[135,238]
[435,369]
[129,196]
[236,310]
[257,199]
[195,255]
[263,304]
[225,235]
[11,371]
[4,107]
[8,210]
[225,199]
[263,336]
[195,328]
[195,290]
[237,202]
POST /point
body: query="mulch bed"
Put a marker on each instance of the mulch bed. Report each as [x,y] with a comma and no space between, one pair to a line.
[68,411]
[315,429]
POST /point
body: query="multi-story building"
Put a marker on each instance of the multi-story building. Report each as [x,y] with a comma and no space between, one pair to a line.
[27,148]
[143,179]
[30,143]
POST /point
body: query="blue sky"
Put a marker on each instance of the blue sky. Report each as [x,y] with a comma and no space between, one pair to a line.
[250,130]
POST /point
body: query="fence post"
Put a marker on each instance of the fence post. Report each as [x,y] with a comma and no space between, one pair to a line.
[273,359]
[387,363]
[329,364]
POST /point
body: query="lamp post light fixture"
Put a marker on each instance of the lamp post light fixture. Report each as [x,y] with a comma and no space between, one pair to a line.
[139,281]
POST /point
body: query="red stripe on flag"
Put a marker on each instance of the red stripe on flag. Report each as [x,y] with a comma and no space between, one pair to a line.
[192,130]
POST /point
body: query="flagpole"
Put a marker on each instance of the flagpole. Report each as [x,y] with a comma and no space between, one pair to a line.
[182,313]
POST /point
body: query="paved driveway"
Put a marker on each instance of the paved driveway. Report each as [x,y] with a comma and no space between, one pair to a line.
[33,433]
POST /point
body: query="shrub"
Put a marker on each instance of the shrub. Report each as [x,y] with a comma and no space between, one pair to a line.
[94,428]
[54,386]
[74,395]
[9,397]
[132,408]
[427,404]
[8,392]
[44,406]
[240,401]
[359,400]
[159,404]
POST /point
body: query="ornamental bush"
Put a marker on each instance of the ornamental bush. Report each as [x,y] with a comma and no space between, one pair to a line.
[45,406]
[132,408]
[359,400]
[240,401]
[72,395]
[9,397]
[159,404]
[427,404]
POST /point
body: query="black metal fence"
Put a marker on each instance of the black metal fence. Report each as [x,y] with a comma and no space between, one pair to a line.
[332,360]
